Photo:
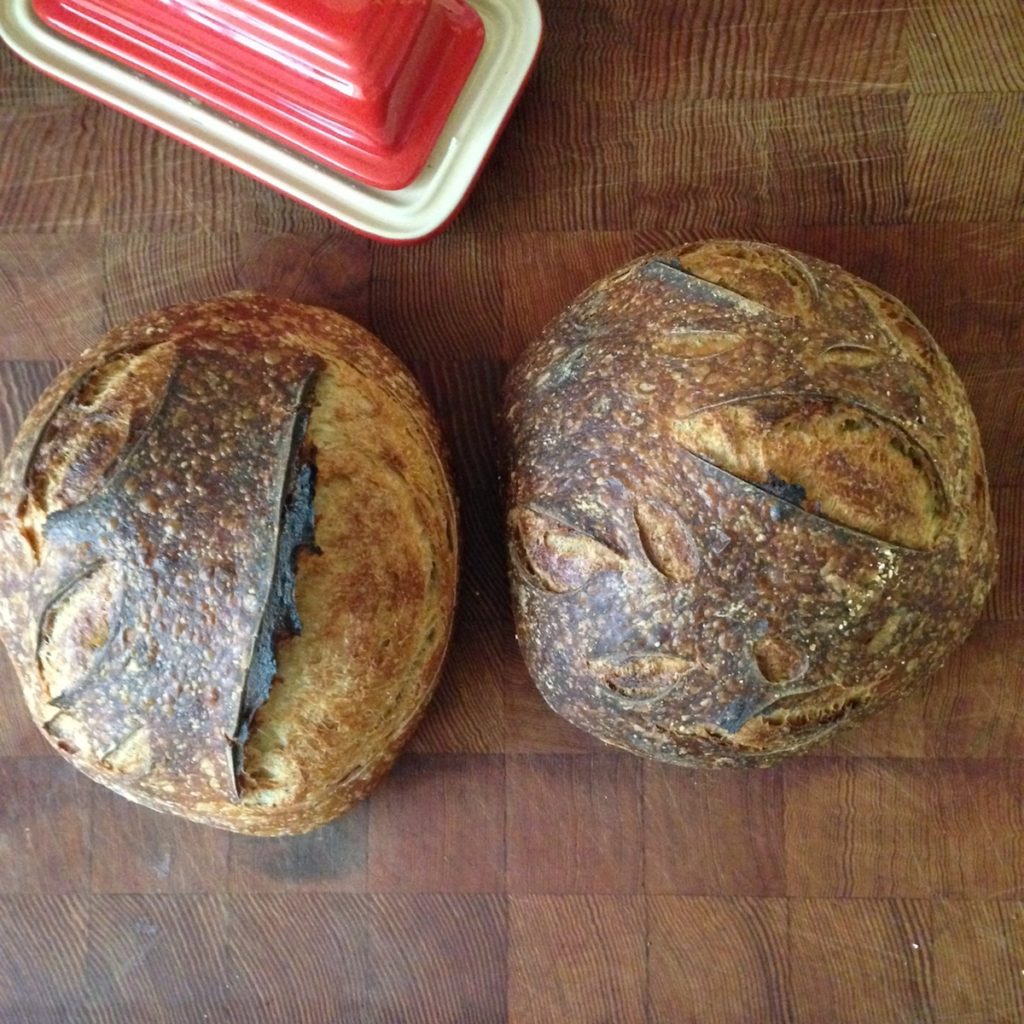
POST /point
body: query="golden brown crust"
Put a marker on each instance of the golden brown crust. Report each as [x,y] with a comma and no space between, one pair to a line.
[747,502]
[376,603]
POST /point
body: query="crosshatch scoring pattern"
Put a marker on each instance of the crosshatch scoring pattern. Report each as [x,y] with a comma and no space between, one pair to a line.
[511,868]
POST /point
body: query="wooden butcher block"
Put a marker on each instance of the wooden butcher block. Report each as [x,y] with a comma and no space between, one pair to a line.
[511,868]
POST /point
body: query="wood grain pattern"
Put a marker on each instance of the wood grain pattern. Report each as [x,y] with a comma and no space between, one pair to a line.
[133,851]
[438,825]
[864,828]
[1007,601]
[331,859]
[298,958]
[42,945]
[948,137]
[996,390]
[898,733]
[58,321]
[45,821]
[966,47]
[155,958]
[972,941]
[467,713]
[437,958]
[53,176]
[822,49]
[857,960]
[972,709]
[18,735]
[719,961]
[531,728]
[713,832]
[576,957]
[143,272]
[573,822]
[455,286]
[512,868]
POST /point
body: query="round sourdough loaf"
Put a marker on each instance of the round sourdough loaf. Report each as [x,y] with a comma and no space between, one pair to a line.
[747,502]
[228,562]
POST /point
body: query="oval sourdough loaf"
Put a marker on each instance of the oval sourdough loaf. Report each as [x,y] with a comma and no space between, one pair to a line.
[228,561]
[747,502]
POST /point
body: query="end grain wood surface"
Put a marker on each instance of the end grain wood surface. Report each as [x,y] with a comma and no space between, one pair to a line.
[510,869]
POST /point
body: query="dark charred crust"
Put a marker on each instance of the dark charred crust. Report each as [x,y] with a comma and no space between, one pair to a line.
[296,532]
[779,488]
[189,513]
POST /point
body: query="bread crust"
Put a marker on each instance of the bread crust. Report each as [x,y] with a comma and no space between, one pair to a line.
[746,503]
[375,601]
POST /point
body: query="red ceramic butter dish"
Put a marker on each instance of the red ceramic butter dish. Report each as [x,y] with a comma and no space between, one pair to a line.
[376,112]
[362,86]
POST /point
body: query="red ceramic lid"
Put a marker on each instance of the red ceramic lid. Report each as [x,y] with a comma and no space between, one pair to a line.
[361,86]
